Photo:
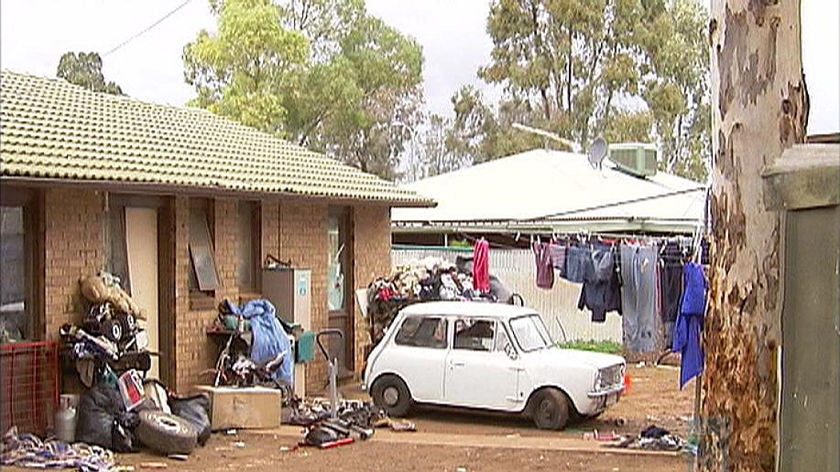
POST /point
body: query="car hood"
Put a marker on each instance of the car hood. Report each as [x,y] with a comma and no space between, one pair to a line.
[595,359]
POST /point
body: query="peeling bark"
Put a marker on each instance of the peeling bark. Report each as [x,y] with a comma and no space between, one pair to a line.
[761,109]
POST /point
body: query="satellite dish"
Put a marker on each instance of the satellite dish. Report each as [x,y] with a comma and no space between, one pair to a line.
[597,152]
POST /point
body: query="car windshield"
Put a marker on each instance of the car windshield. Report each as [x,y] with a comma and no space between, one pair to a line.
[530,332]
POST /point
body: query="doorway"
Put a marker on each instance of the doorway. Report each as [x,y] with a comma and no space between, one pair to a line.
[340,288]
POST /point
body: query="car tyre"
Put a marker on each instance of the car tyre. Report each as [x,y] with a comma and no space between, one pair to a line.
[391,394]
[165,433]
[550,409]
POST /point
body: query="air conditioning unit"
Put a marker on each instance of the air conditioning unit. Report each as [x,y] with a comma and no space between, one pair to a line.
[638,159]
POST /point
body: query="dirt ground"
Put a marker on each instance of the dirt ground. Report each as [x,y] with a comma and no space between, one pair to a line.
[453,441]
[458,441]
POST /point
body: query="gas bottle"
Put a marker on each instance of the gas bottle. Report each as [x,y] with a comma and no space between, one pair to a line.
[65,419]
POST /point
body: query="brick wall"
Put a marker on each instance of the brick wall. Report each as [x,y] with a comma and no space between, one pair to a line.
[72,249]
[303,239]
[372,249]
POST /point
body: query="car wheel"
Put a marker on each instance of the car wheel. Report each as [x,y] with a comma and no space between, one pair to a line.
[165,433]
[550,409]
[391,394]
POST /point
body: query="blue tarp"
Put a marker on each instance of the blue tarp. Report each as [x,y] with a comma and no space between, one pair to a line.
[269,338]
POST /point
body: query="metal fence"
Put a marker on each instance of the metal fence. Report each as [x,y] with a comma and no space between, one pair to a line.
[517,270]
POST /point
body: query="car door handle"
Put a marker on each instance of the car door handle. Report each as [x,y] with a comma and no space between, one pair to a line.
[458,364]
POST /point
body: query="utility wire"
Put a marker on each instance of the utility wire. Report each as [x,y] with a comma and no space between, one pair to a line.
[147,29]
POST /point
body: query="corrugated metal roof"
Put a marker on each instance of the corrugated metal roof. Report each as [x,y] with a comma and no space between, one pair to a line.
[545,189]
[55,130]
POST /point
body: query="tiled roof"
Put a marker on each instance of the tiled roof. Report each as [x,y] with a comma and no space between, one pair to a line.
[51,129]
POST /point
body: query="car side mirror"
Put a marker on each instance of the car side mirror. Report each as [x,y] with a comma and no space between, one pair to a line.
[511,352]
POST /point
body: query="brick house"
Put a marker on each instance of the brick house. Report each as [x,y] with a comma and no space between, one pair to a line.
[93,181]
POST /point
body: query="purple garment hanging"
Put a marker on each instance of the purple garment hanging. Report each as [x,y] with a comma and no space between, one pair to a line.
[545,269]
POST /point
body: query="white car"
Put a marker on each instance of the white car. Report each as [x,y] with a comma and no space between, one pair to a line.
[489,356]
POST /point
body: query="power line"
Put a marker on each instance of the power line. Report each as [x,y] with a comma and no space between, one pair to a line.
[147,29]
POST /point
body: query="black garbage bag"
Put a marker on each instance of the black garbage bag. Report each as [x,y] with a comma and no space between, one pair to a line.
[123,438]
[98,409]
[196,411]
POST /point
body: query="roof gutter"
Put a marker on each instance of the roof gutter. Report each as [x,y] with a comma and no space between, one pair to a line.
[175,189]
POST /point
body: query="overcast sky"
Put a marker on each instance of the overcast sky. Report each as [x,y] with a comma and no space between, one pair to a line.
[35,33]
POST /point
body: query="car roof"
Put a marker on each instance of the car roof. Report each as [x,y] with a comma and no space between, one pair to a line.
[483,309]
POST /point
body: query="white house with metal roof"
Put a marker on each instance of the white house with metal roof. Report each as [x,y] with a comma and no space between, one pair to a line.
[547,191]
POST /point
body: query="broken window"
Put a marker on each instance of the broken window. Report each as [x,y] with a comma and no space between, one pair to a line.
[204,275]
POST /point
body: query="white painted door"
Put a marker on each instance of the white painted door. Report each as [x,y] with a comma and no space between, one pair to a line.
[142,250]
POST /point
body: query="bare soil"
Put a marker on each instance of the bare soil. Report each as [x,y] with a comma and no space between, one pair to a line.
[453,441]
[449,440]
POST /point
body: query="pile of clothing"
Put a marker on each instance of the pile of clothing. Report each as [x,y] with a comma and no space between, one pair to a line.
[654,438]
[428,279]
[29,451]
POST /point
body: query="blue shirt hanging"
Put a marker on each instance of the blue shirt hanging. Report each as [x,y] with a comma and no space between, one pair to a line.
[687,337]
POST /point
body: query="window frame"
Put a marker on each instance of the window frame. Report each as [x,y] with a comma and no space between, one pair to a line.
[252,210]
[202,296]
[439,318]
[28,201]
[473,346]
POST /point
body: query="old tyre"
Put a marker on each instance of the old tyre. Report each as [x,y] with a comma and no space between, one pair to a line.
[550,409]
[391,394]
[165,433]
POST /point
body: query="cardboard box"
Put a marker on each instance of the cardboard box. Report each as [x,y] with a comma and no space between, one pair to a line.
[242,408]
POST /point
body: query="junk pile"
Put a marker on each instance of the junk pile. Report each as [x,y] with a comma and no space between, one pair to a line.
[352,420]
[27,450]
[138,413]
[653,438]
[258,349]
[428,279]
[111,339]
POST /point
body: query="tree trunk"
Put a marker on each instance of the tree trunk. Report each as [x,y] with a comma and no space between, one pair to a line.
[759,108]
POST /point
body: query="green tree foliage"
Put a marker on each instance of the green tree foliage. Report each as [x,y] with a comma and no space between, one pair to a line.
[85,69]
[322,73]
[629,70]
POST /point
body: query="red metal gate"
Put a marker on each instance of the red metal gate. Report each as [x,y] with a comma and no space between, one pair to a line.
[29,387]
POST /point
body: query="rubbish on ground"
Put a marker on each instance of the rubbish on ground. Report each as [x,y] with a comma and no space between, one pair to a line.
[230,432]
[238,444]
[595,435]
[102,419]
[620,422]
[27,450]
[196,411]
[653,438]
[131,389]
[336,443]
[178,457]
[153,465]
[167,434]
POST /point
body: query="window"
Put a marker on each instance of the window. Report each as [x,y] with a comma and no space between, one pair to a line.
[474,335]
[337,260]
[204,277]
[530,333]
[422,331]
[248,256]
[17,235]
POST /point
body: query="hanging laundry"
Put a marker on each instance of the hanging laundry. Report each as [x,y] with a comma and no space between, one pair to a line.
[638,297]
[690,323]
[558,257]
[545,270]
[578,264]
[671,286]
[601,292]
[481,266]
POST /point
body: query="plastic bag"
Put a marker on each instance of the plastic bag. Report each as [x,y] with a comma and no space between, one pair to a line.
[196,410]
[98,408]
[122,432]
